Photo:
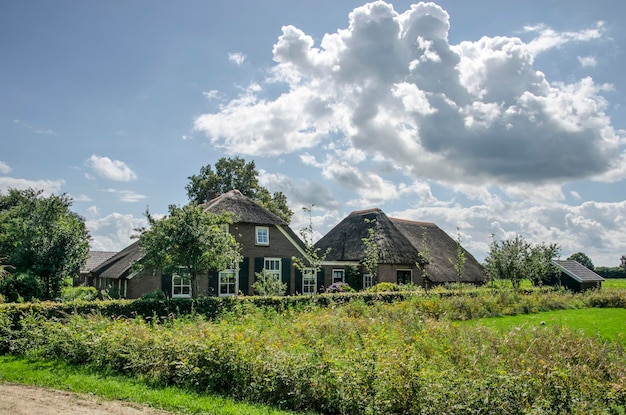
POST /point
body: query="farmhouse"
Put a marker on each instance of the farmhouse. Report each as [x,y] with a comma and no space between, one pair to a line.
[575,276]
[267,242]
[409,252]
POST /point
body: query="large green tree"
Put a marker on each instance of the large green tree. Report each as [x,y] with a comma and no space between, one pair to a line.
[42,237]
[235,173]
[189,238]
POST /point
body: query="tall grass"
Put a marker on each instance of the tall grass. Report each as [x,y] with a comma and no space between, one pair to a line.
[405,357]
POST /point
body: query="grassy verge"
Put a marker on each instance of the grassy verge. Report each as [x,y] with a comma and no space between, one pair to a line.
[607,323]
[61,376]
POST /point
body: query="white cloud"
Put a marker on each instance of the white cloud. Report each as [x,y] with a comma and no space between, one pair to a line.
[237,58]
[127,195]
[113,232]
[82,198]
[111,169]
[92,210]
[33,128]
[4,168]
[48,186]
[392,88]
[587,61]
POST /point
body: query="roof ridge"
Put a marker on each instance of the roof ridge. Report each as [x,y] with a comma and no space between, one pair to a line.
[413,221]
[361,212]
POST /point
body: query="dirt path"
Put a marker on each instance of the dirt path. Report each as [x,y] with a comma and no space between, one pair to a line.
[28,400]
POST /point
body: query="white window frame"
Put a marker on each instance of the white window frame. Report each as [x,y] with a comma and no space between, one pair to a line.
[184,290]
[337,271]
[224,274]
[273,266]
[368,281]
[309,281]
[262,235]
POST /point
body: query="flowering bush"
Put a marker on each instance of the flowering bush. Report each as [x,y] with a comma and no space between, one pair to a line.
[339,287]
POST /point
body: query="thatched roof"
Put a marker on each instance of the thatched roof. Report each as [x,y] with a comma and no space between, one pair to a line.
[399,242]
[346,239]
[242,208]
[577,271]
[442,251]
[119,265]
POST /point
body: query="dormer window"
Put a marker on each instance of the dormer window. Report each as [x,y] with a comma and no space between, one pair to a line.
[262,235]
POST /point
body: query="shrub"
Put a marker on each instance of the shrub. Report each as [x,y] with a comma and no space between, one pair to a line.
[19,287]
[339,287]
[382,287]
[267,284]
[79,293]
[157,294]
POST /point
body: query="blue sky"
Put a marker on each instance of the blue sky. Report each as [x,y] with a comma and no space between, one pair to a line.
[484,117]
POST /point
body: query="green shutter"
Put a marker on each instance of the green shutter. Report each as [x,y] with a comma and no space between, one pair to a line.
[259,263]
[286,271]
[244,279]
[166,284]
[320,280]
[298,281]
[214,283]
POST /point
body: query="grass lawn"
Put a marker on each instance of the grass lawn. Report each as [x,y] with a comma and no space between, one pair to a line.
[614,283]
[608,323]
[80,380]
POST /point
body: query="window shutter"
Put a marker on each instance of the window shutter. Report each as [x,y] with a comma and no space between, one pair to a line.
[298,281]
[244,279]
[286,271]
[214,283]
[258,264]
[320,280]
[166,284]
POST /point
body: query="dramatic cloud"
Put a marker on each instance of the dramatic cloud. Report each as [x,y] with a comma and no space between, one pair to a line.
[4,168]
[392,88]
[111,169]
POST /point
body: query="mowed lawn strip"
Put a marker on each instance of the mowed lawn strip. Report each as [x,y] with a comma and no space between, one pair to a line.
[57,375]
[608,323]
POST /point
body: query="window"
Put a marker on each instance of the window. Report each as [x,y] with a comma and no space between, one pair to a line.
[262,235]
[181,285]
[272,265]
[338,275]
[367,281]
[228,283]
[309,279]
[404,276]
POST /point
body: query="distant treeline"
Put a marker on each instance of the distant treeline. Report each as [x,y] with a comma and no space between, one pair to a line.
[610,272]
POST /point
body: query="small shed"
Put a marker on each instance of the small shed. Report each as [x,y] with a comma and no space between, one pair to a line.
[575,276]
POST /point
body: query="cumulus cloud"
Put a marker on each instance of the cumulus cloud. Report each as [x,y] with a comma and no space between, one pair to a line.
[4,168]
[113,232]
[48,186]
[392,87]
[587,61]
[111,169]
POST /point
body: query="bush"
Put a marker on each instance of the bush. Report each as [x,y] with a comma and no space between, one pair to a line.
[157,294]
[267,284]
[339,287]
[19,287]
[382,287]
[79,293]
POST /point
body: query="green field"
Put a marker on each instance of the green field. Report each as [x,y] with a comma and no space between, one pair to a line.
[608,323]
[614,283]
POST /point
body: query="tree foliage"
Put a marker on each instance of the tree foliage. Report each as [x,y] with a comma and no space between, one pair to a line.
[266,284]
[235,173]
[516,260]
[313,258]
[370,262]
[582,259]
[189,238]
[42,237]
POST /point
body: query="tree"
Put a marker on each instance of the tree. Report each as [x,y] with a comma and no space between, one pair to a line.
[313,258]
[235,173]
[516,260]
[189,239]
[459,262]
[42,237]
[370,262]
[582,259]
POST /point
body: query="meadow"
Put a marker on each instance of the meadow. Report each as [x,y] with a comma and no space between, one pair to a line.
[428,354]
